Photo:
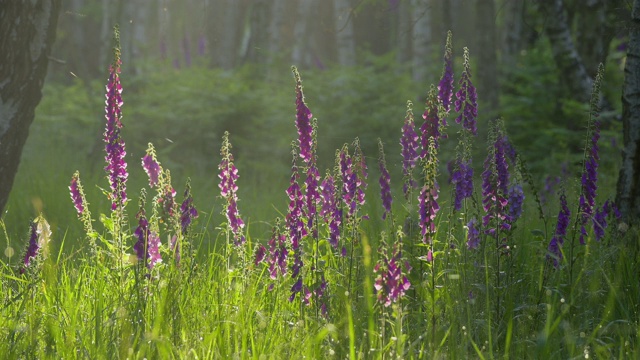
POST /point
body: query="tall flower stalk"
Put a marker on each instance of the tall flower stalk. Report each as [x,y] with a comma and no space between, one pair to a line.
[82,208]
[445,86]
[39,237]
[229,191]
[385,182]
[554,253]
[409,142]
[466,98]
[115,148]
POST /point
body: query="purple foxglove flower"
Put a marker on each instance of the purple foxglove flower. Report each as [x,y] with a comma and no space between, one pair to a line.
[330,210]
[428,197]
[554,253]
[151,166]
[385,182]
[295,289]
[40,235]
[228,189]
[428,200]
[431,126]
[467,99]
[115,148]
[303,120]
[311,193]
[516,198]
[445,87]
[495,179]
[462,178]
[409,142]
[277,256]
[600,219]
[261,252]
[353,170]
[142,234]
[33,248]
[589,182]
[391,281]
[188,211]
[76,194]
[295,224]
[473,234]
[153,249]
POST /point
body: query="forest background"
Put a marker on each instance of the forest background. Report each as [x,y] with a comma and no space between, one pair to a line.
[193,69]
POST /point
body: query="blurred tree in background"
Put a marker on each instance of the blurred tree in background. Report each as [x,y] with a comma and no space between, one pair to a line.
[27,32]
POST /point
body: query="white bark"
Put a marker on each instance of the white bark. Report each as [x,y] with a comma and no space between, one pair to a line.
[345,38]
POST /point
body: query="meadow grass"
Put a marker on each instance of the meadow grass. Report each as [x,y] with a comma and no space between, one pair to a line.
[261,273]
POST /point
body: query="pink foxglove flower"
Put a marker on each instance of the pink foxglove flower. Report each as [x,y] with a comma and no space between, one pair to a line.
[115,148]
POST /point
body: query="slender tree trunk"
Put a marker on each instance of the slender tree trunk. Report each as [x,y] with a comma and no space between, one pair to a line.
[421,40]
[257,51]
[512,42]
[300,52]
[488,84]
[566,57]
[345,38]
[230,33]
[403,33]
[628,192]
[27,32]
[278,9]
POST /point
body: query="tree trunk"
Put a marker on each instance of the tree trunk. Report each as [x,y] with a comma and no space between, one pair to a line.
[402,37]
[345,39]
[595,29]
[487,74]
[232,20]
[512,36]
[278,9]
[300,52]
[421,40]
[573,72]
[628,192]
[27,32]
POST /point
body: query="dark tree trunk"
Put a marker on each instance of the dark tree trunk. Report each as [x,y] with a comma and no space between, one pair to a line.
[628,195]
[27,32]
[570,65]
[596,26]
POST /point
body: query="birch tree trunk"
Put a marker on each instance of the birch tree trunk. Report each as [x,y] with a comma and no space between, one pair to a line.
[27,33]
[421,40]
[628,192]
[567,59]
[345,38]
